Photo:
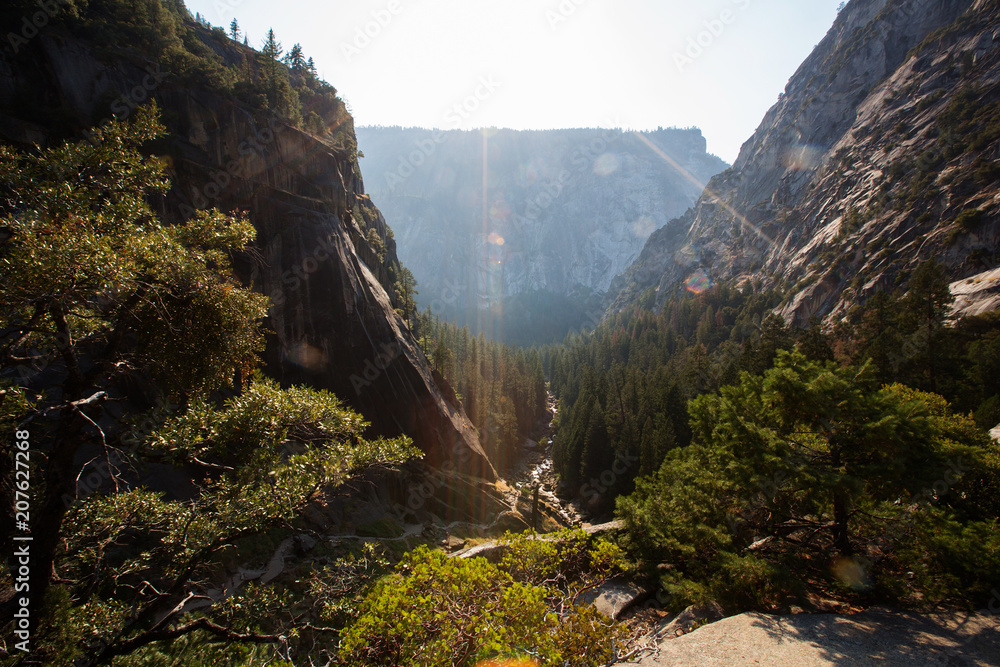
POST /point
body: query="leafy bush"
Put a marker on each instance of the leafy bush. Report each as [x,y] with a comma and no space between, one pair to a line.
[969,219]
[436,610]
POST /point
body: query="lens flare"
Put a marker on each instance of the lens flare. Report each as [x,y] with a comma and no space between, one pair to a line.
[852,573]
[803,157]
[495,239]
[306,356]
[698,282]
[643,227]
[500,210]
[607,164]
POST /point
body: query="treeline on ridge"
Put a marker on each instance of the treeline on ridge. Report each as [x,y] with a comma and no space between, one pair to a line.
[193,53]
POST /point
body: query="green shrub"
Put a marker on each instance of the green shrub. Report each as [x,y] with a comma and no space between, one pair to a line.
[436,610]
[950,561]
[988,413]
[969,219]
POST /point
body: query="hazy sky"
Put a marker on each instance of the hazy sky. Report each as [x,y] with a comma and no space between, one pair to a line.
[638,64]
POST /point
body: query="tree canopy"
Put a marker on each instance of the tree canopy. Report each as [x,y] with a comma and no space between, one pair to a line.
[128,342]
[808,458]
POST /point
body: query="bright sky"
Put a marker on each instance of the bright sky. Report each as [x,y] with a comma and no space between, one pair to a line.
[538,64]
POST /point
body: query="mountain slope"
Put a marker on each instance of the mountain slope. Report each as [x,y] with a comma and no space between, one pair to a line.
[323,252]
[880,155]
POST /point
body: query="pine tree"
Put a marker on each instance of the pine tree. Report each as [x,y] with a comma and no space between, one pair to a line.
[813,343]
[280,95]
[272,47]
[234,30]
[923,312]
[295,59]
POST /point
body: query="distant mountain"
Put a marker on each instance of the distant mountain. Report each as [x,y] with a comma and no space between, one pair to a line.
[882,153]
[552,218]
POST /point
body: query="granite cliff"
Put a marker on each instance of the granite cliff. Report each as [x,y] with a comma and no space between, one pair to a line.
[880,154]
[323,252]
[563,211]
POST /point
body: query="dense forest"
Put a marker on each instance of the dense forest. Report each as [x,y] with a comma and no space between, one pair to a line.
[159,461]
[719,428]
[501,388]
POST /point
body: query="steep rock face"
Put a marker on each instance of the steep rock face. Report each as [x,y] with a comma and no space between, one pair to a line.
[316,253]
[860,172]
[563,210]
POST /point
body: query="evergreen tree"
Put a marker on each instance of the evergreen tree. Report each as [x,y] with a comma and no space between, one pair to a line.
[234,30]
[406,290]
[272,47]
[812,450]
[876,336]
[923,313]
[280,95]
[105,297]
[813,343]
[295,59]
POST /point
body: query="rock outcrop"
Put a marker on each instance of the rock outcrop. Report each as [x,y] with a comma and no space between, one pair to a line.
[877,637]
[880,155]
[323,251]
[563,210]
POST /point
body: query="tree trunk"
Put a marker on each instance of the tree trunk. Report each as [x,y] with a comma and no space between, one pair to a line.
[841,536]
[46,526]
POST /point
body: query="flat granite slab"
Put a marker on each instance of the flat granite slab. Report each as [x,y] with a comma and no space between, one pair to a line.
[875,637]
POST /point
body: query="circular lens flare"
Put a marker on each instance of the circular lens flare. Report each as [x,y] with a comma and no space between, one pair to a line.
[698,282]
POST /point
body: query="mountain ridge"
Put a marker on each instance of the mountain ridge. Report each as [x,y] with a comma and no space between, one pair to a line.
[815,187]
[564,210]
